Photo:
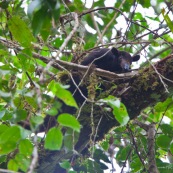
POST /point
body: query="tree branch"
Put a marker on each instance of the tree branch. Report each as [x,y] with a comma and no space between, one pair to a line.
[141,92]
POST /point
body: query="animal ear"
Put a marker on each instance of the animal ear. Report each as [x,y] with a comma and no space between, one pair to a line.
[115,51]
[136,58]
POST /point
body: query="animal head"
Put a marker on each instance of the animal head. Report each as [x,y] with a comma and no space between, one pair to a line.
[124,59]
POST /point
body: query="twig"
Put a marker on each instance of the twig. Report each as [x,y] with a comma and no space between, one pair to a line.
[97,28]
[52,61]
[157,54]
[135,146]
[97,128]
[92,129]
[170,104]
[102,8]
[107,26]
[160,77]
[35,157]
[7,171]
[124,164]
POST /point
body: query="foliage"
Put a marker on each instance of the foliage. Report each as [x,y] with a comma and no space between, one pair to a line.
[30,88]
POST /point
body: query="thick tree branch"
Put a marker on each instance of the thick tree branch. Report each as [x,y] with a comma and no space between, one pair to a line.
[144,90]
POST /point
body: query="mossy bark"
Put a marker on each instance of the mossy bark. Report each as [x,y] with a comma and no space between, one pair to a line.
[143,90]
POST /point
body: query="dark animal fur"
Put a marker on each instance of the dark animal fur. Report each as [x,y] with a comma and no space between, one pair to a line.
[111,60]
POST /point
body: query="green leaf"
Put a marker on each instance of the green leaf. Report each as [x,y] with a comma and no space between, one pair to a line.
[3,128]
[163,141]
[136,165]
[79,5]
[56,107]
[56,9]
[19,115]
[162,106]
[99,154]
[38,20]
[9,139]
[167,129]
[25,133]
[121,115]
[22,161]
[105,145]
[3,158]
[26,147]
[66,165]
[10,134]
[2,113]
[6,148]
[62,94]
[36,121]
[94,167]
[53,139]
[68,145]
[119,110]
[145,4]
[168,20]
[57,42]
[70,135]
[12,165]
[164,167]
[52,111]
[32,101]
[20,31]
[138,16]
[171,148]
[68,120]
[123,152]
[46,28]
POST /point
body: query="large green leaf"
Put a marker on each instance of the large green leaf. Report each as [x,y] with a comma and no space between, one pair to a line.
[6,148]
[145,4]
[35,121]
[10,134]
[22,161]
[121,114]
[26,147]
[20,31]
[62,94]
[70,135]
[167,129]
[171,148]
[69,121]
[20,114]
[12,165]
[65,164]
[9,139]
[168,20]
[164,167]
[119,110]
[163,141]
[162,106]
[38,21]
[99,154]
[53,139]
[123,152]
[136,165]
